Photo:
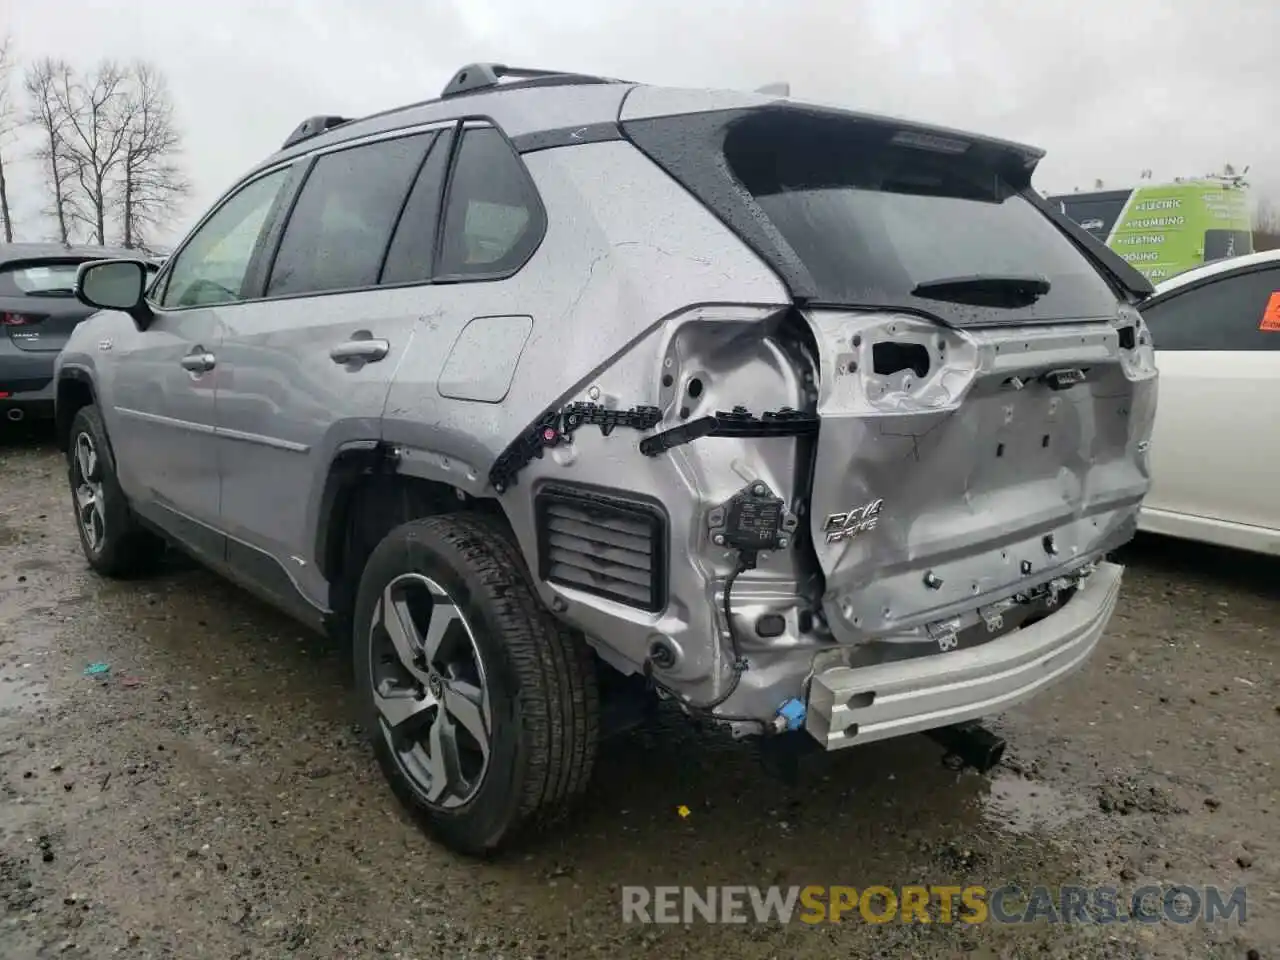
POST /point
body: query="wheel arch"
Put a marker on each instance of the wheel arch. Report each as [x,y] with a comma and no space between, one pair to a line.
[75,389]
[366,494]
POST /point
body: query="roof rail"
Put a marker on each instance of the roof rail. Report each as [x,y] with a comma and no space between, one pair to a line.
[312,127]
[481,76]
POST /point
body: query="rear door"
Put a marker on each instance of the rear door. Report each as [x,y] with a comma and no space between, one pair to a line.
[306,368]
[1214,453]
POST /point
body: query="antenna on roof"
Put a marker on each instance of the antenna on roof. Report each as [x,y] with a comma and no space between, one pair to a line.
[778,89]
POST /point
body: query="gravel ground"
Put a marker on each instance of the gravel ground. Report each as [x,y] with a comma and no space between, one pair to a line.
[209,796]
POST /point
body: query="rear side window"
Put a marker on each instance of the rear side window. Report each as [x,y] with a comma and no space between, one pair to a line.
[493,219]
[865,220]
[1239,312]
[30,279]
[342,222]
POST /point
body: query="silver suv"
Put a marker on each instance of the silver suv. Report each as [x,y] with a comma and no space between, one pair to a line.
[558,391]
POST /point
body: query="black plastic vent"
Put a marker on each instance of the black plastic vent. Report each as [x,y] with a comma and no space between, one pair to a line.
[604,544]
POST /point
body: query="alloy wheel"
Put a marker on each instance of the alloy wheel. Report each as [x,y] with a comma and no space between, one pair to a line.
[87,481]
[430,690]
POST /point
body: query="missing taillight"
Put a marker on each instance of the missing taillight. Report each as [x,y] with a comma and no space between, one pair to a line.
[1128,338]
[888,358]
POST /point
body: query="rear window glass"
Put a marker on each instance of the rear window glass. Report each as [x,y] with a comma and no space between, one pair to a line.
[868,220]
[43,279]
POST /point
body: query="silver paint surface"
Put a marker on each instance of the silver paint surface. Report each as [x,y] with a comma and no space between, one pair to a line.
[483,359]
[635,293]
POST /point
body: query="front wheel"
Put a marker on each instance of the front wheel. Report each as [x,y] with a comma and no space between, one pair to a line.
[112,540]
[482,708]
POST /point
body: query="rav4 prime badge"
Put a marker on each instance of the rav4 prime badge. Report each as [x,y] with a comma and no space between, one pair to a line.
[847,525]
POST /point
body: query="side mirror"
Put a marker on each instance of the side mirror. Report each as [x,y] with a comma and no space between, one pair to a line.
[115,285]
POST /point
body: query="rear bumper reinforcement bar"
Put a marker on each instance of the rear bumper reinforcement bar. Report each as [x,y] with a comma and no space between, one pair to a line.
[859,705]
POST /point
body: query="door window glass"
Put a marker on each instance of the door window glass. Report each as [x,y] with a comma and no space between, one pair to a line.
[412,250]
[341,225]
[1237,312]
[211,267]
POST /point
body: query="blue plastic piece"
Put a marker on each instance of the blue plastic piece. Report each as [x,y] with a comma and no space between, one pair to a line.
[792,711]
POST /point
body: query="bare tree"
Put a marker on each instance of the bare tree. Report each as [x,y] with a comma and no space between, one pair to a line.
[7,123]
[151,182]
[109,147]
[1266,218]
[1266,225]
[44,112]
[97,115]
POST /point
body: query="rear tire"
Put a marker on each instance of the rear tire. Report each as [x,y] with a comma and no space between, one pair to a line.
[113,541]
[479,657]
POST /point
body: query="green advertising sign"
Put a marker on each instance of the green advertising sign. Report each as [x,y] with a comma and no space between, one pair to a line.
[1164,229]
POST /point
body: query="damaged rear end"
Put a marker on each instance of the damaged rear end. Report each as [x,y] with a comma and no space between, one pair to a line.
[961,510]
[984,390]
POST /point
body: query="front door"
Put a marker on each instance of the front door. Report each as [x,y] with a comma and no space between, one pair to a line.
[161,419]
[164,380]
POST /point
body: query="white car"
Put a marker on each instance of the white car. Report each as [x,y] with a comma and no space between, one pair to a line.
[1215,448]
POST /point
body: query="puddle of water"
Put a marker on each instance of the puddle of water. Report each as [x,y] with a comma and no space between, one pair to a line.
[1024,807]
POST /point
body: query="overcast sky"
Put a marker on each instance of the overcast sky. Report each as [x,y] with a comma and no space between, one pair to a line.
[1108,87]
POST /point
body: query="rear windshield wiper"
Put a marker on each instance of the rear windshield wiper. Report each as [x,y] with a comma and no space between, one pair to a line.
[985,290]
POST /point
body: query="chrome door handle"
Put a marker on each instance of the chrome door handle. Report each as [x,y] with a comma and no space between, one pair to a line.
[367,350]
[199,362]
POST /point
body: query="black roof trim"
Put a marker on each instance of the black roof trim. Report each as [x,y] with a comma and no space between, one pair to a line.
[312,127]
[566,137]
[487,76]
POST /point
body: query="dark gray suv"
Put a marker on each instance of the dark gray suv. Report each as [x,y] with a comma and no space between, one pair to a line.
[558,391]
[38,311]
